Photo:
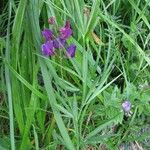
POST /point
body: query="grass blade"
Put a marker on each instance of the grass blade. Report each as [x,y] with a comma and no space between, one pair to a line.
[8,82]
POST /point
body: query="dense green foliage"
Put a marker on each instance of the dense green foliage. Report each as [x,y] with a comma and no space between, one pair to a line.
[75,103]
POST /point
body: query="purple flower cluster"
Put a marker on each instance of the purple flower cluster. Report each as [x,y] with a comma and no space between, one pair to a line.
[52,43]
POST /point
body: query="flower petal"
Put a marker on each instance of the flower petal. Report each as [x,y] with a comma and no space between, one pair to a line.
[66,31]
[47,49]
[47,34]
[71,50]
[126,106]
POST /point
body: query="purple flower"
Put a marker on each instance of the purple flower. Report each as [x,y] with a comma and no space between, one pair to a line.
[59,43]
[126,106]
[48,48]
[47,34]
[51,20]
[65,32]
[71,50]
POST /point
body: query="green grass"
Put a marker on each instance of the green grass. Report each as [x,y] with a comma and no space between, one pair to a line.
[75,103]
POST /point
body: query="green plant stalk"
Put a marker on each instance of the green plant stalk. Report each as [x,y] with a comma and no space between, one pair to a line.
[8,81]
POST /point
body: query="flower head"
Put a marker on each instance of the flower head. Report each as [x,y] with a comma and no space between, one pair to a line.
[126,106]
[51,20]
[71,50]
[59,43]
[47,34]
[65,32]
[48,48]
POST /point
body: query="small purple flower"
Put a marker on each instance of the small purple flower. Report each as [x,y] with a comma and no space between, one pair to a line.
[59,43]
[51,20]
[71,50]
[48,48]
[65,32]
[126,106]
[47,34]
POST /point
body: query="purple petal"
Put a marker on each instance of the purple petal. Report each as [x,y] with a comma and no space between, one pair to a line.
[47,34]
[59,43]
[47,49]
[126,106]
[71,50]
[66,31]
[67,25]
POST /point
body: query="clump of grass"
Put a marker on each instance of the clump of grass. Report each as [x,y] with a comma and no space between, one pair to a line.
[76,103]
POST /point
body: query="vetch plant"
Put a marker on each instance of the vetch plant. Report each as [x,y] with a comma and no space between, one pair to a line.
[81,103]
[53,42]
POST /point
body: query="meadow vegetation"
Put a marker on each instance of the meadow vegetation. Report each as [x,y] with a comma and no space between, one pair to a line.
[97,96]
